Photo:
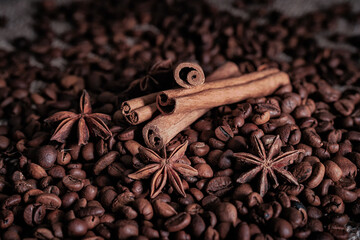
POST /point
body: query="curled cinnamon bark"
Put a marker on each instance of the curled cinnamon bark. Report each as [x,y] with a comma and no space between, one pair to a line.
[188,75]
[163,128]
[229,69]
[167,101]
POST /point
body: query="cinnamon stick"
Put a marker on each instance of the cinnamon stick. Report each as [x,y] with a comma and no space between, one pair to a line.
[166,100]
[228,68]
[163,128]
[130,105]
[215,97]
[158,132]
[188,75]
[141,114]
[141,109]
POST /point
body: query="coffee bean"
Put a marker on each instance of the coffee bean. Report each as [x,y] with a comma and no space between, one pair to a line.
[333,204]
[344,194]
[348,168]
[178,222]
[224,133]
[77,228]
[144,207]
[49,200]
[311,198]
[36,171]
[315,225]
[338,231]
[73,183]
[302,171]
[219,186]
[254,199]
[4,142]
[204,170]
[197,225]
[226,212]
[47,156]
[317,175]
[312,138]
[164,209]
[199,149]
[105,161]
[281,227]
[6,218]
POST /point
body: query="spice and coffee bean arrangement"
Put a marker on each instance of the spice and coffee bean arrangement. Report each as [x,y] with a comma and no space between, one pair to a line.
[175,120]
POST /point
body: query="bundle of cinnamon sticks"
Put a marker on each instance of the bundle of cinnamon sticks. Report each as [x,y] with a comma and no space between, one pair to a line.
[180,107]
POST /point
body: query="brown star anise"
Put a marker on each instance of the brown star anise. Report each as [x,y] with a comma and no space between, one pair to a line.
[267,164]
[87,123]
[163,169]
[144,82]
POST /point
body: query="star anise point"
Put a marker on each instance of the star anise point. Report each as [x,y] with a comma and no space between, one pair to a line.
[267,164]
[164,168]
[88,123]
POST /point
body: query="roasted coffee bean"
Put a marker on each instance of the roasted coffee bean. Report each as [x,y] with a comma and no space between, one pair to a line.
[145,208]
[312,138]
[348,168]
[6,218]
[197,194]
[73,183]
[89,192]
[315,225]
[332,170]
[197,225]
[219,186]
[164,209]
[204,170]
[211,233]
[217,144]
[199,149]
[224,133]
[254,199]
[105,161]
[77,228]
[311,198]
[223,229]
[226,212]
[318,172]
[314,212]
[226,159]
[338,231]
[49,200]
[333,204]
[281,227]
[341,219]
[194,208]
[90,211]
[302,171]
[345,195]
[34,214]
[36,171]
[177,222]
[47,156]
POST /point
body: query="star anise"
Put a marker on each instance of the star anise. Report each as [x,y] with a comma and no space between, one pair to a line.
[144,82]
[87,123]
[164,169]
[268,164]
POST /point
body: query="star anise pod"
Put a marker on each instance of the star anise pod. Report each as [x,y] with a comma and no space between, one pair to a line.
[267,164]
[144,82]
[88,123]
[163,169]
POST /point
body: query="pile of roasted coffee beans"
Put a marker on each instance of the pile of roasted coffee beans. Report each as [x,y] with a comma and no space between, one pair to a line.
[65,191]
